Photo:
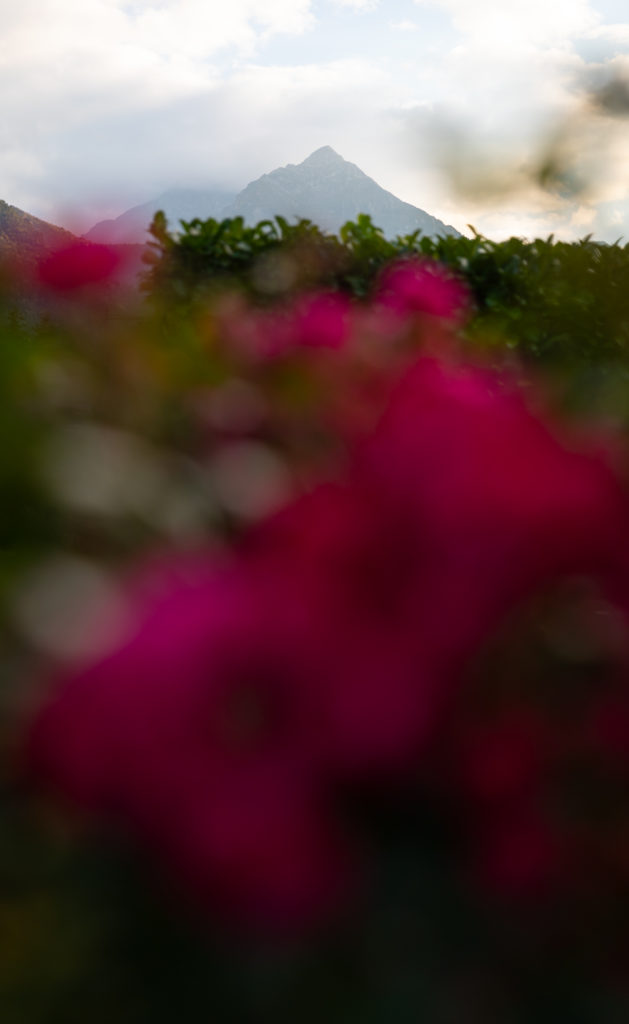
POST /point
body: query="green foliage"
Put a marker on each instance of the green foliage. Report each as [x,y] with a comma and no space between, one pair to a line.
[553,302]
[206,254]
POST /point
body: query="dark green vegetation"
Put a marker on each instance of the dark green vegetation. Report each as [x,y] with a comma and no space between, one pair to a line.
[558,306]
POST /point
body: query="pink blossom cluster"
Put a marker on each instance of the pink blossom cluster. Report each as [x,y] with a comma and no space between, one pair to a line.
[343,643]
[77,265]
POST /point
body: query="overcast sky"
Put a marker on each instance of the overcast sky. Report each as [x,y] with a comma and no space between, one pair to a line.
[453,105]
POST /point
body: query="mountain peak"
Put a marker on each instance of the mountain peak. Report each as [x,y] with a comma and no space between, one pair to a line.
[322,157]
[330,191]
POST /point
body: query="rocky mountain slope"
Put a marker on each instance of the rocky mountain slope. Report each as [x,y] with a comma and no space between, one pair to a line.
[25,237]
[330,191]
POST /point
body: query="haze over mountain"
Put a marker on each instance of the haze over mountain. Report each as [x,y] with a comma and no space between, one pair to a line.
[177,203]
[325,188]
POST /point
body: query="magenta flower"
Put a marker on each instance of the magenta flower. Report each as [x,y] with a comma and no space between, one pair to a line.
[77,265]
[416,285]
[336,647]
[322,320]
[360,569]
[203,735]
[503,500]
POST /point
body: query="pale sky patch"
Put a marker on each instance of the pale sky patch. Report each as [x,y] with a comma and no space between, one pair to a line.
[405,26]
[583,217]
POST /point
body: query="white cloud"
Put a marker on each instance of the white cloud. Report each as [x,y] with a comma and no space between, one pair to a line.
[73,64]
[236,129]
[198,28]
[503,23]
[615,34]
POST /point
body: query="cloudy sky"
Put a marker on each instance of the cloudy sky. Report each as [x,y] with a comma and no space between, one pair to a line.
[479,111]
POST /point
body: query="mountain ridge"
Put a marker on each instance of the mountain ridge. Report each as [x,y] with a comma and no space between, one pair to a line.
[324,188]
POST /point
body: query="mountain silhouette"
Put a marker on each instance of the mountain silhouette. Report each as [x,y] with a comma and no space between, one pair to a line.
[324,188]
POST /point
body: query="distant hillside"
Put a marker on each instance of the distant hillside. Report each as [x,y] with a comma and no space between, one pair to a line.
[25,240]
[25,237]
[325,188]
[177,204]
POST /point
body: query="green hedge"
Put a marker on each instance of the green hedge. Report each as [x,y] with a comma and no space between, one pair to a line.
[554,302]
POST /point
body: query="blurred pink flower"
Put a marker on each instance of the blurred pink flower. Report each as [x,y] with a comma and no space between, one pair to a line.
[505,500]
[322,320]
[359,572]
[77,265]
[416,285]
[501,761]
[520,855]
[332,646]
[203,733]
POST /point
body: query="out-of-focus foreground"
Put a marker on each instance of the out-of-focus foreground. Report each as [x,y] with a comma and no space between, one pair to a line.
[314,603]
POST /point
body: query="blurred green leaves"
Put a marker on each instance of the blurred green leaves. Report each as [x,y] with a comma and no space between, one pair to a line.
[553,302]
